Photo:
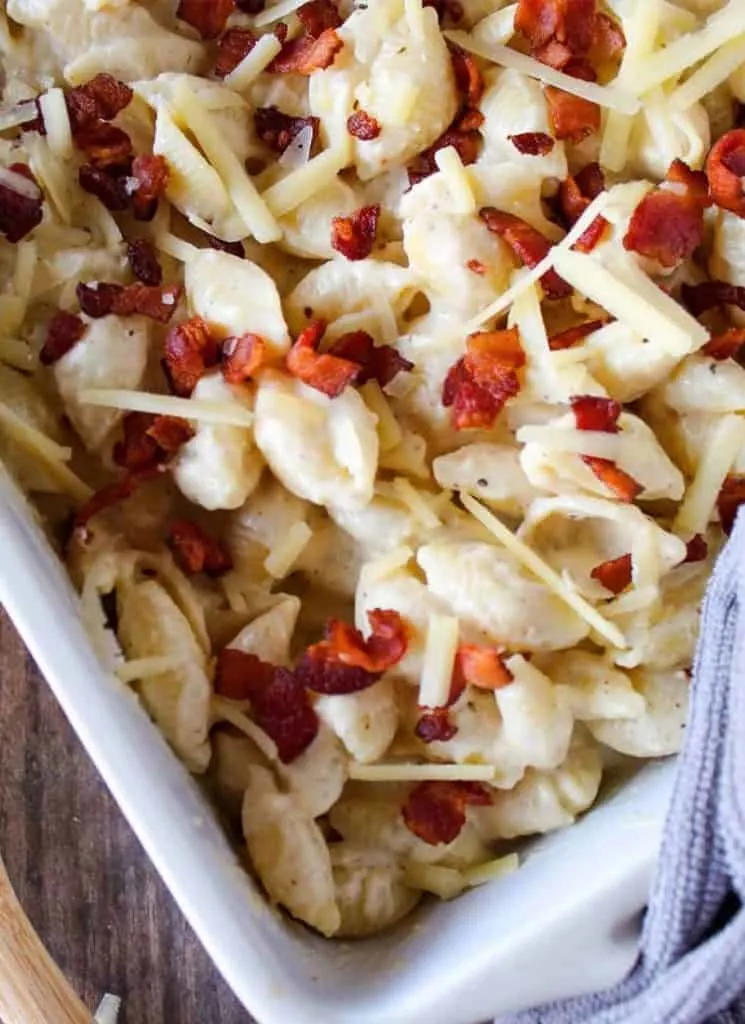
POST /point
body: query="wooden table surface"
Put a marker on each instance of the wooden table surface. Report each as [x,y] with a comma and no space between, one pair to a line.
[81,874]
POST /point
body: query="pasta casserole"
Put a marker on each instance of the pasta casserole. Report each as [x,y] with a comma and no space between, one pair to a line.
[375,368]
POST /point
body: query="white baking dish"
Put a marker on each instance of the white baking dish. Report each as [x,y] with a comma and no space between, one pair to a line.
[566,923]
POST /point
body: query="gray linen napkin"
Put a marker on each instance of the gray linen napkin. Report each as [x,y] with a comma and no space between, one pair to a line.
[691,967]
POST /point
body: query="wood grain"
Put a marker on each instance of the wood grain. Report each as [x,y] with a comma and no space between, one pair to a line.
[80,873]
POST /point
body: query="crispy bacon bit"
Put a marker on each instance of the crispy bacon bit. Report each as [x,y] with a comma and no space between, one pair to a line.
[376,362]
[112,191]
[279,702]
[572,117]
[63,331]
[572,335]
[623,486]
[568,21]
[236,44]
[477,387]
[384,647]
[615,574]
[208,17]
[195,551]
[435,727]
[476,267]
[144,261]
[696,549]
[190,350]
[150,174]
[463,134]
[468,78]
[698,298]
[305,55]
[592,236]
[354,236]
[242,357]
[528,244]
[105,145]
[362,126]
[668,226]
[725,167]
[322,371]
[234,248]
[725,345]
[609,41]
[104,299]
[594,413]
[436,811]
[112,494]
[250,6]
[482,667]
[731,496]
[150,440]
[277,130]
[576,193]
[19,213]
[102,98]
[532,143]
[319,15]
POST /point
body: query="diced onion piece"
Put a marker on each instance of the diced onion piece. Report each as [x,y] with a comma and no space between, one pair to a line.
[282,557]
[439,657]
[535,564]
[725,444]
[168,405]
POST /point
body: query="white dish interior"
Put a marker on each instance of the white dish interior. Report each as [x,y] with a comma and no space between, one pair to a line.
[567,923]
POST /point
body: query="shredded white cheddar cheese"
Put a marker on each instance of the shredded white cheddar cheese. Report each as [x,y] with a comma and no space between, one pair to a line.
[229,711]
[282,557]
[725,444]
[176,247]
[719,66]
[276,11]
[422,772]
[249,69]
[439,657]
[456,176]
[389,431]
[145,668]
[387,564]
[168,405]
[57,122]
[51,455]
[299,185]
[408,495]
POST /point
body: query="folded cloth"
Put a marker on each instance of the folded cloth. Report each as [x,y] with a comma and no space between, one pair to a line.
[691,967]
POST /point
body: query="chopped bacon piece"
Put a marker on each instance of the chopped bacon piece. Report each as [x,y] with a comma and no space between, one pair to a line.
[279,702]
[102,98]
[362,126]
[150,174]
[568,21]
[570,337]
[232,47]
[436,811]
[463,134]
[234,248]
[277,130]
[725,345]
[332,677]
[698,298]
[20,213]
[528,244]
[572,117]
[532,143]
[319,15]
[195,551]
[668,226]
[725,167]
[576,193]
[624,487]
[615,574]
[592,412]
[190,350]
[63,331]
[609,40]
[322,371]
[305,55]
[105,145]
[354,236]
[435,727]
[590,181]
[242,357]
[731,497]
[250,6]
[111,190]
[158,302]
[377,362]
[592,236]
[468,78]
[113,494]
[482,667]
[696,549]
[345,645]
[478,386]
[143,260]
[476,267]
[149,440]
[208,17]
